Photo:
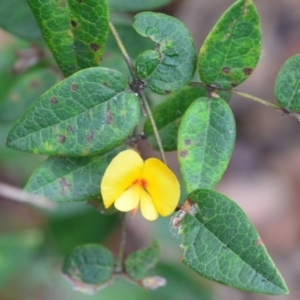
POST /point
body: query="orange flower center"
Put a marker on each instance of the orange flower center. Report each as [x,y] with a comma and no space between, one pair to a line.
[142,182]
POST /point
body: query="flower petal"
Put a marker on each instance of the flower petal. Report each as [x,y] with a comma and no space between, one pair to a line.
[129,200]
[162,185]
[148,209]
[123,170]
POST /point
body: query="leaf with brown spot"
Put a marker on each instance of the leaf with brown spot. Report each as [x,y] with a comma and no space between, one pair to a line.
[220,244]
[70,179]
[90,136]
[183,153]
[73,23]
[109,119]
[209,126]
[80,123]
[62,138]
[54,100]
[232,49]
[74,87]
[172,65]
[94,47]
[75,31]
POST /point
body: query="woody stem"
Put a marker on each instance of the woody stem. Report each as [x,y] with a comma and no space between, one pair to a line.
[140,91]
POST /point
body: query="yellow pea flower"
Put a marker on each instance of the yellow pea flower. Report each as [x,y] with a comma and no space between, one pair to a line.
[130,182]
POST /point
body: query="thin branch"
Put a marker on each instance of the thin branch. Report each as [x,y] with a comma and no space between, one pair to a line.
[18,195]
[256,99]
[122,49]
[119,267]
[139,89]
[152,121]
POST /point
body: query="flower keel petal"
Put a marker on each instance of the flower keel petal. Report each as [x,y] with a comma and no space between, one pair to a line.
[129,200]
[148,209]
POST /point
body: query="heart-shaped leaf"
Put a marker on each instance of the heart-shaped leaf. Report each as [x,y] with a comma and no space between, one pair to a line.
[133,42]
[74,30]
[232,49]
[221,244]
[172,64]
[206,138]
[88,113]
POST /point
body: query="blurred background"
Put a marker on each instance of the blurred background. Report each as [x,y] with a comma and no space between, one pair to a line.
[263,177]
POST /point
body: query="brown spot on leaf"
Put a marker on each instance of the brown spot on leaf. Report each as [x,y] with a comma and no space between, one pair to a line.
[73,23]
[35,84]
[109,119]
[233,84]
[64,185]
[105,84]
[167,91]
[63,4]
[62,138]
[187,142]
[247,71]
[226,70]
[54,100]
[187,205]
[259,242]
[14,97]
[74,87]
[69,128]
[79,1]
[94,47]
[183,153]
[90,136]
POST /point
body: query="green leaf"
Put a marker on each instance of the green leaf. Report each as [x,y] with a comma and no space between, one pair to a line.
[224,95]
[232,49]
[16,17]
[172,64]
[133,42]
[287,86]
[88,267]
[221,244]
[16,249]
[139,262]
[24,91]
[136,5]
[70,179]
[167,116]
[75,31]
[205,142]
[88,113]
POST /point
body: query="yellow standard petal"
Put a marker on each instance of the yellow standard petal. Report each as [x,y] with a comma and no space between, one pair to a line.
[148,208]
[129,200]
[123,170]
[162,185]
